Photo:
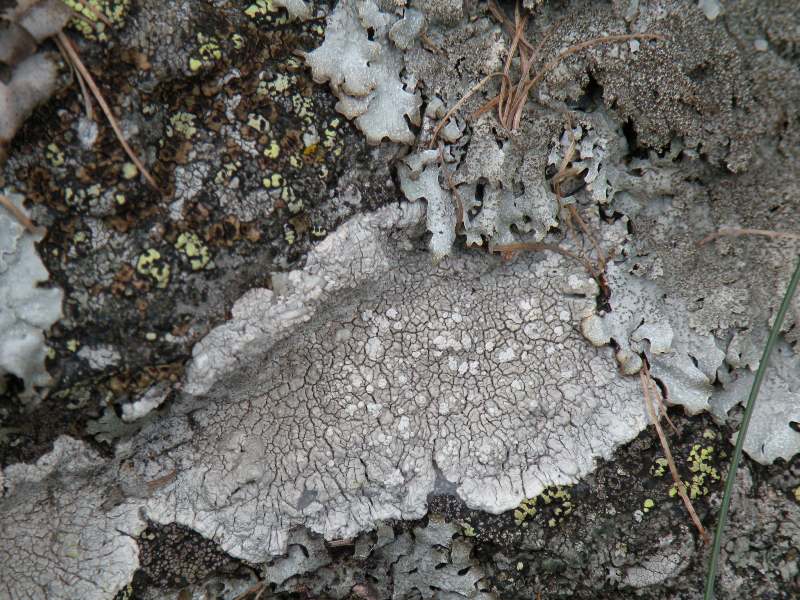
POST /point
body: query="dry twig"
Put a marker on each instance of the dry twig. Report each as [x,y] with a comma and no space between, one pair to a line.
[739,231]
[20,216]
[644,375]
[74,58]
[511,99]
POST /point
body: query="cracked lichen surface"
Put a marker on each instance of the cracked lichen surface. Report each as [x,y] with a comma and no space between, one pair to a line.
[472,372]
[347,396]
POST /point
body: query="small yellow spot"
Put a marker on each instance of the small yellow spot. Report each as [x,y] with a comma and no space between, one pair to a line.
[797,493]
[54,155]
[259,7]
[273,181]
[520,566]
[281,83]
[648,505]
[273,150]
[79,237]
[197,252]
[195,64]
[238,41]
[72,345]
[294,161]
[51,352]
[129,170]
[468,529]
[150,336]
[183,123]
[120,198]
[150,264]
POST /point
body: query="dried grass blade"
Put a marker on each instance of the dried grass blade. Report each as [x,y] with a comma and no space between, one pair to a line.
[644,375]
[20,216]
[748,413]
[459,104]
[75,59]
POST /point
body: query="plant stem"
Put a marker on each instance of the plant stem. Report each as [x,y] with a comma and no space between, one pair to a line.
[748,413]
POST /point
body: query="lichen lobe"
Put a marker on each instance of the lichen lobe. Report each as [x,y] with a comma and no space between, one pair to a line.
[471,370]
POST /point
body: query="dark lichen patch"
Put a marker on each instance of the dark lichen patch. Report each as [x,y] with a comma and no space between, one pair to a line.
[173,557]
[146,274]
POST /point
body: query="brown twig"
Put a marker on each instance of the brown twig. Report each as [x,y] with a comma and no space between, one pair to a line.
[540,247]
[87,99]
[98,14]
[20,216]
[459,104]
[644,375]
[738,231]
[72,53]
[564,54]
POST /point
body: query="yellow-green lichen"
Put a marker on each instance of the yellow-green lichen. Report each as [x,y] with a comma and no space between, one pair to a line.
[703,472]
[226,172]
[293,203]
[288,234]
[273,150]
[89,24]
[797,493]
[659,468]
[259,8]
[189,243]
[182,123]
[151,265]
[54,154]
[556,500]
[129,170]
[150,336]
[467,529]
[303,107]
[209,52]
[72,345]
[272,181]
[238,41]
[648,505]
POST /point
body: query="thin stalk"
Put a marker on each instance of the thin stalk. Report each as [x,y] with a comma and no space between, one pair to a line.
[72,53]
[748,413]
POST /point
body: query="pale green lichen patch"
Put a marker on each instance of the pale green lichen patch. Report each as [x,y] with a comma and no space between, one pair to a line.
[151,264]
[89,24]
[648,505]
[189,243]
[182,123]
[209,52]
[54,155]
[700,463]
[555,502]
[129,170]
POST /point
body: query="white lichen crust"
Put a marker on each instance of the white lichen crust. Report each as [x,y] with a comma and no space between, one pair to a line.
[64,530]
[471,374]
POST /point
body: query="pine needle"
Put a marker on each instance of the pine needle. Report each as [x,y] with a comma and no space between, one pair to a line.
[72,53]
[19,215]
[644,375]
[459,104]
[748,413]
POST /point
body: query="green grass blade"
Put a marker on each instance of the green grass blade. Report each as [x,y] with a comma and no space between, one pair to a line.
[748,412]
